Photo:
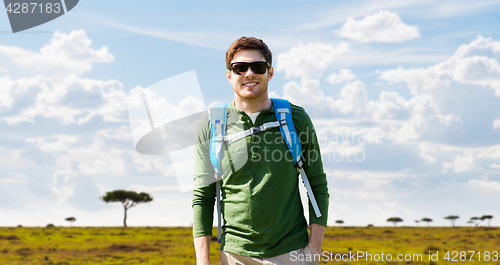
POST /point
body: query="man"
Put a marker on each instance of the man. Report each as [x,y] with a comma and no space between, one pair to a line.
[263,218]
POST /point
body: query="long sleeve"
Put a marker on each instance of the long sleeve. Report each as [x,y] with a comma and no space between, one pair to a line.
[204,193]
[313,166]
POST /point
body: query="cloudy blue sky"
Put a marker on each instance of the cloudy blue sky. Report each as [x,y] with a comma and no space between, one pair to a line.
[405,96]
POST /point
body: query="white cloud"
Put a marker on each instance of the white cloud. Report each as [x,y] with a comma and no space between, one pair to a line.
[489,152]
[96,160]
[145,163]
[461,159]
[15,94]
[121,133]
[383,176]
[451,108]
[422,9]
[163,109]
[390,106]
[89,158]
[479,70]
[461,163]
[15,178]
[445,125]
[381,27]
[63,184]
[485,185]
[272,94]
[479,47]
[309,95]
[353,97]
[474,63]
[352,102]
[341,77]
[459,94]
[309,61]
[335,151]
[53,143]
[53,90]
[72,101]
[66,54]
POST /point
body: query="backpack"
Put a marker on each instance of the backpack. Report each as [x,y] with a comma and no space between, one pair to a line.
[283,112]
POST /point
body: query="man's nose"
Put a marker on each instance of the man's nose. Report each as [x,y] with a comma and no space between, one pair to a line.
[249,72]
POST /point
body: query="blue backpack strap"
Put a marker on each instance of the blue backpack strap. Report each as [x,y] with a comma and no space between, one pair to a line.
[218,118]
[283,111]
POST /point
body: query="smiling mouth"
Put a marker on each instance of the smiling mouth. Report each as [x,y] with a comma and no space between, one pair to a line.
[250,84]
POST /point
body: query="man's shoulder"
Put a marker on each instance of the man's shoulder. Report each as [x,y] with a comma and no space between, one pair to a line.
[296,109]
[204,127]
[299,115]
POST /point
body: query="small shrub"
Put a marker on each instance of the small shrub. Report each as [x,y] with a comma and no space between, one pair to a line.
[430,248]
[9,237]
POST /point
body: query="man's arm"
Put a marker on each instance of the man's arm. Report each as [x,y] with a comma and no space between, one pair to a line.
[316,238]
[313,167]
[203,197]
[202,246]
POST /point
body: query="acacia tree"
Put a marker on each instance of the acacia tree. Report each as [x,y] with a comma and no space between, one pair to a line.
[395,220]
[427,220]
[339,222]
[127,198]
[489,217]
[71,220]
[475,220]
[452,219]
[417,221]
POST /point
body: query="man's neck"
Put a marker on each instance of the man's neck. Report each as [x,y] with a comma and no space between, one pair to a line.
[251,106]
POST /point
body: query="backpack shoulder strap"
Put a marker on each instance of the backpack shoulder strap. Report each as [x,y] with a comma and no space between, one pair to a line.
[218,117]
[283,111]
[218,121]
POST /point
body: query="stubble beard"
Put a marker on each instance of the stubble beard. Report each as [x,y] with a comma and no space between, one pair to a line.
[262,95]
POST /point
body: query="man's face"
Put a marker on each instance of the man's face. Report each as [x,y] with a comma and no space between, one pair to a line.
[249,85]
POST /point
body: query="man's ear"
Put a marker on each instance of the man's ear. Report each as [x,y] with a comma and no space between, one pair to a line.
[270,74]
[228,76]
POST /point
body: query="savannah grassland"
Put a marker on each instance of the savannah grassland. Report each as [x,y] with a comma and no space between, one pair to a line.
[174,245]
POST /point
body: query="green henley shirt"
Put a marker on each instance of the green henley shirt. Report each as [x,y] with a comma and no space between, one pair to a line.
[261,207]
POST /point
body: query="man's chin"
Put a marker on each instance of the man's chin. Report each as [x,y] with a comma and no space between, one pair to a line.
[251,96]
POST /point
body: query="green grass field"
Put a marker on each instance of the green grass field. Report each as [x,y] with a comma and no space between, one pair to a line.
[174,245]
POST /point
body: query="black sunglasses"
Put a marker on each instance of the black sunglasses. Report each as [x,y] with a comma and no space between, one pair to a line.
[257,67]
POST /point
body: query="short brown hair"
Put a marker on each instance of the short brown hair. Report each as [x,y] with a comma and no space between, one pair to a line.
[248,43]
